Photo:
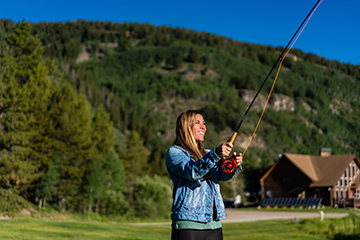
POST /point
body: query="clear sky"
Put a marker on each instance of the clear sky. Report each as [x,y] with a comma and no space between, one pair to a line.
[333,32]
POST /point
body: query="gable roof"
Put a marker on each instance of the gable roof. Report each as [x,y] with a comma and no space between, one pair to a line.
[304,163]
[323,171]
[331,168]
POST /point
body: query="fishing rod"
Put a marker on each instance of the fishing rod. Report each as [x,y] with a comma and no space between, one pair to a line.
[229,165]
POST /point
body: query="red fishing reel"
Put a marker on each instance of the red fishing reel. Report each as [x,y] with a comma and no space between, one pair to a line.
[229,165]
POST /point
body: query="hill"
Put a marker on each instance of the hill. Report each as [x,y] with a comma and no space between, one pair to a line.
[145,76]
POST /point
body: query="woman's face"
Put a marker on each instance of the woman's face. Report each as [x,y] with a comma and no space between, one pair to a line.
[199,128]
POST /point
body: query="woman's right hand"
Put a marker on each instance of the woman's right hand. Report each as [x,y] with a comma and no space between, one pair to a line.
[224,149]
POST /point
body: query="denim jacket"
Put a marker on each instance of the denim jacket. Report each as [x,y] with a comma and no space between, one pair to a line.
[194,197]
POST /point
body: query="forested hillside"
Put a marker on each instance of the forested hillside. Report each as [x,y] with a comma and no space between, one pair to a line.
[88,110]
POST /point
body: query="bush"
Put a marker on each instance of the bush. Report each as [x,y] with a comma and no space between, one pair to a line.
[10,202]
[152,197]
[346,236]
[114,203]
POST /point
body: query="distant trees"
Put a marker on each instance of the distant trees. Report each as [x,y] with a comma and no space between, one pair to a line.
[193,55]
[61,41]
[91,136]
[135,159]
[245,82]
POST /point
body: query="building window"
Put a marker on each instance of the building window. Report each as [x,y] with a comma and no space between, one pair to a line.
[337,183]
[350,171]
[357,193]
[345,182]
[353,170]
[337,194]
[345,175]
[341,182]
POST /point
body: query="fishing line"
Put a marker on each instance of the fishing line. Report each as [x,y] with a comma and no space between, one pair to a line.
[277,74]
[281,59]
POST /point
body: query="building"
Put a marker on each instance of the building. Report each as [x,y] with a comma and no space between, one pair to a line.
[334,178]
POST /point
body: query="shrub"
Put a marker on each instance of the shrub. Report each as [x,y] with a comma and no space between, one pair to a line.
[152,197]
[114,203]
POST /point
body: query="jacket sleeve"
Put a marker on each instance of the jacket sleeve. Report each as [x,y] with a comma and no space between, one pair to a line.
[180,162]
[220,175]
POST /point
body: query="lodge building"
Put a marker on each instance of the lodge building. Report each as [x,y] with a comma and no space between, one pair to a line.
[334,179]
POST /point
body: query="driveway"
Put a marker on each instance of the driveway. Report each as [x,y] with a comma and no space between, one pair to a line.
[237,215]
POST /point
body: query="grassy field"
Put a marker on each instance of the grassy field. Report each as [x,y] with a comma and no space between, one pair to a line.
[51,225]
[31,228]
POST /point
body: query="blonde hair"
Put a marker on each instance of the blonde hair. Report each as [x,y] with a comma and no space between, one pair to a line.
[184,135]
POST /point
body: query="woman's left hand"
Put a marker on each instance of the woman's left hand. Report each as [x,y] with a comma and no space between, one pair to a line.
[238,157]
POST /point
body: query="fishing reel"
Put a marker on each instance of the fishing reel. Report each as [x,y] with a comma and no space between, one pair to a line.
[229,165]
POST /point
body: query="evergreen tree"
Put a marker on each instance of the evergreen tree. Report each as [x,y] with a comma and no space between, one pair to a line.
[72,49]
[96,183]
[193,55]
[25,82]
[156,161]
[113,199]
[103,132]
[114,168]
[71,127]
[46,188]
[135,159]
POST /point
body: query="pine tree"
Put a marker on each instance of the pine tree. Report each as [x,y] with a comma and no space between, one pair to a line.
[41,118]
[24,91]
[114,168]
[103,131]
[71,127]
[135,159]
[47,185]
[96,180]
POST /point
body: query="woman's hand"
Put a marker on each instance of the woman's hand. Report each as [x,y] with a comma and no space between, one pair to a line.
[238,157]
[224,149]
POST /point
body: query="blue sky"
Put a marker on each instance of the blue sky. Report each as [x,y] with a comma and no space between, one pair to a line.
[333,31]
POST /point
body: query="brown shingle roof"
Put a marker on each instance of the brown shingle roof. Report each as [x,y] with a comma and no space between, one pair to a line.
[304,163]
[323,171]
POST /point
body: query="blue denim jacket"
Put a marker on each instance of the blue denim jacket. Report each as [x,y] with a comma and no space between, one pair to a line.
[194,196]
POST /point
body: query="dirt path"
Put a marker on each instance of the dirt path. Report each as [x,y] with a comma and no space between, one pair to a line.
[235,215]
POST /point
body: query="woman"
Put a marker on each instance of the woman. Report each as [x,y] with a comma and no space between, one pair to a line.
[198,207]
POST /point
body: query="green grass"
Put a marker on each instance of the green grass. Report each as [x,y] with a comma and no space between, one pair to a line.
[51,225]
[263,230]
[70,229]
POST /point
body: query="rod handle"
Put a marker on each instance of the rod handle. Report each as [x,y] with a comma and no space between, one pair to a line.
[232,138]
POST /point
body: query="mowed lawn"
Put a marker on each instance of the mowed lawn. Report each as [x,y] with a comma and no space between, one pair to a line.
[69,229]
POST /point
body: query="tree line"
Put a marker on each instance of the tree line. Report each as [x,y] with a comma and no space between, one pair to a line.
[64,40]
[92,136]
[56,149]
